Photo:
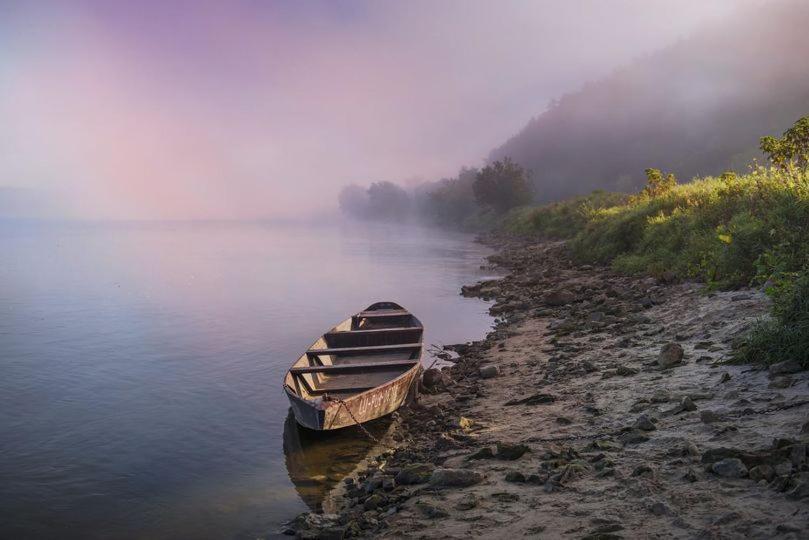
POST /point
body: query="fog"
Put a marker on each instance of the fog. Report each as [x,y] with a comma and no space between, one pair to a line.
[124,110]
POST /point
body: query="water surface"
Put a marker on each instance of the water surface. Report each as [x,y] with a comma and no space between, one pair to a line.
[141,366]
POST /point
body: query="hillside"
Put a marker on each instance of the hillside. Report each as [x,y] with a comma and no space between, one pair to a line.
[697,107]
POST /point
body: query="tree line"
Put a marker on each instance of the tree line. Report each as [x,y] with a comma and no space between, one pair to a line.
[474,195]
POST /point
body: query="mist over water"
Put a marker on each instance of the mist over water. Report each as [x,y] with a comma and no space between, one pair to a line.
[142,365]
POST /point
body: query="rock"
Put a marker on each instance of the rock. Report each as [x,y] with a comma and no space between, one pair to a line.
[505,497]
[642,470]
[626,371]
[687,404]
[786,367]
[596,316]
[511,451]
[709,417]
[374,501]
[762,472]
[801,489]
[781,381]
[659,509]
[515,477]
[558,298]
[645,423]
[415,473]
[430,511]
[633,436]
[725,377]
[535,399]
[690,476]
[798,455]
[730,468]
[670,355]
[483,453]
[388,483]
[455,478]
[660,396]
[489,372]
[467,502]
[432,378]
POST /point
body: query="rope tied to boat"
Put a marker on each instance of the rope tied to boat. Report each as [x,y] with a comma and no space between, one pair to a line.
[354,418]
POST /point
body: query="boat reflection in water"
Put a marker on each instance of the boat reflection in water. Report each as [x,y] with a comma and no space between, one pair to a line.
[316,461]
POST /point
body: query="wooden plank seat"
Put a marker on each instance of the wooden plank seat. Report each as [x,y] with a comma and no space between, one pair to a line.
[340,390]
[347,368]
[362,331]
[369,350]
[378,313]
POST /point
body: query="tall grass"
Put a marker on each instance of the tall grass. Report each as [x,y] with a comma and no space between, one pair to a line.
[727,231]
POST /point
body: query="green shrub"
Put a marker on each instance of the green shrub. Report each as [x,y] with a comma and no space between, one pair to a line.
[786,335]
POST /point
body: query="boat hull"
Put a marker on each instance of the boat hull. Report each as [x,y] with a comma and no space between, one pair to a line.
[380,401]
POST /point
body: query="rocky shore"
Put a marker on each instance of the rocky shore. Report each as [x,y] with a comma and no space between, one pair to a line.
[601,406]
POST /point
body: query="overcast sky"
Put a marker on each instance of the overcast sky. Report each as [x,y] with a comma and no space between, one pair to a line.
[263,109]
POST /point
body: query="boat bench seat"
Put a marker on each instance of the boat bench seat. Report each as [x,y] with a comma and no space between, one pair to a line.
[355,350]
[374,314]
[347,368]
[373,331]
[340,390]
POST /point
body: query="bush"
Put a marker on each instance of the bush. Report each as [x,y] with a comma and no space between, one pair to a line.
[786,335]
[503,185]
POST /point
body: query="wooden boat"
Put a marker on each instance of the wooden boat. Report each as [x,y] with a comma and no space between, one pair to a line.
[363,368]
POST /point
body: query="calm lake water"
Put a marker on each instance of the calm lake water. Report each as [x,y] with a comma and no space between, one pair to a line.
[141,367]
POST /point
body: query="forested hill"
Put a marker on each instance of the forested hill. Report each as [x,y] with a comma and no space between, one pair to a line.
[695,108]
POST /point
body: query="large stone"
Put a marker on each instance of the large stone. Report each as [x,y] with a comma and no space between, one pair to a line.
[431,511]
[730,468]
[709,417]
[511,451]
[645,423]
[785,368]
[558,298]
[489,372]
[416,473]
[432,378]
[762,472]
[455,478]
[670,355]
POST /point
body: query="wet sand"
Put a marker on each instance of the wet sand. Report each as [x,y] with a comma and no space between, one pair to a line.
[601,406]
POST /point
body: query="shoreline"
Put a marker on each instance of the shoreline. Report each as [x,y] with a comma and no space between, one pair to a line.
[600,406]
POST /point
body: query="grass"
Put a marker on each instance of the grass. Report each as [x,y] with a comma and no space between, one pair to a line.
[727,231]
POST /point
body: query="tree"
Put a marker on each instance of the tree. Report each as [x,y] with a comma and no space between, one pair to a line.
[790,149]
[354,201]
[657,184]
[387,201]
[452,200]
[502,186]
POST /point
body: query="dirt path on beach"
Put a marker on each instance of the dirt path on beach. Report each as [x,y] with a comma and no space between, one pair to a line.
[567,422]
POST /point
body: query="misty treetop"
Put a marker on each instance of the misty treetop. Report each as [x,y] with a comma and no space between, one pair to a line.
[380,201]
[503,185]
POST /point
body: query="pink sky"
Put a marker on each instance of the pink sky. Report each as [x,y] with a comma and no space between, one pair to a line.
[265,109]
